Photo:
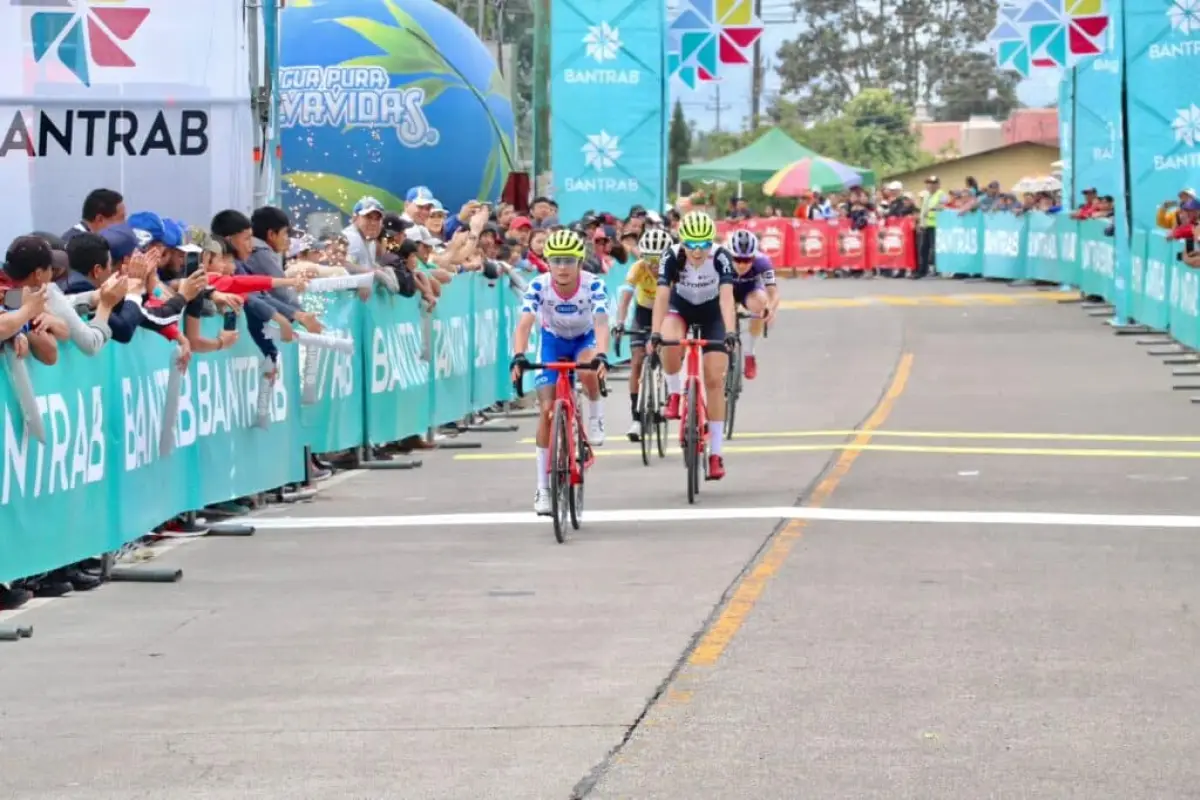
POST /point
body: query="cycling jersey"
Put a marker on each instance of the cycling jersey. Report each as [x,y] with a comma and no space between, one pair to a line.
[566,317]
[760,275]
[568,323]
[643,277]
[695,285]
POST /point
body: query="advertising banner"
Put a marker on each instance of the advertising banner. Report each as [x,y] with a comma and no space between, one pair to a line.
[774,234]
[90,97]
[849,248]
[1162,38]
[895,244]
[959,243]
[1003,247]
[608,91]
[810,246]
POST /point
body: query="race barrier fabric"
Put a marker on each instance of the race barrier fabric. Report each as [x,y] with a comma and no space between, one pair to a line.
[834,245]
[101,479]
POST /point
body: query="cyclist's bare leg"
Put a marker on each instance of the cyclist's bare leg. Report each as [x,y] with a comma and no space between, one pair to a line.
[672,357]
[591,387]
[756,303]
[546,405]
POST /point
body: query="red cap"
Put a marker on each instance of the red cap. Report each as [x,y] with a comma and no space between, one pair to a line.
[519,222]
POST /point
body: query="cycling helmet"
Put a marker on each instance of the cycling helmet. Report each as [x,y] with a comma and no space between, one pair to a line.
[743,244]
[654,241]
[697,226]
[564,243]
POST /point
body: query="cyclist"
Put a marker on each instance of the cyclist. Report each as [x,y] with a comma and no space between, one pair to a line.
[643,277]
[695,287]
[754,288]
[571,306]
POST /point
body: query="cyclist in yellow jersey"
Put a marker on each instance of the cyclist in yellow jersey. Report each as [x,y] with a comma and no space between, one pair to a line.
[643,277]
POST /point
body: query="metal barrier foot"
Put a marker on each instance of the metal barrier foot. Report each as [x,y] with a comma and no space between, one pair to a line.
[1183,358]
[1176,350]
[1131,330]
[1161,340]
[365,462]
[14,634]
[145,575]
[231,530]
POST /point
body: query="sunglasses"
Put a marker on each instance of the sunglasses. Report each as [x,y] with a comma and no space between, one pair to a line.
[744,260]
[697,245]
[563,261]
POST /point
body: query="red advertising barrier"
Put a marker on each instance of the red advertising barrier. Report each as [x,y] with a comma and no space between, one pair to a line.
[803,246]
[895,245]
[774,235]
[849,252]
[810,246]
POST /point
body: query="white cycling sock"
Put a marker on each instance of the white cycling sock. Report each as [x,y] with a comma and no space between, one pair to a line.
[674,383]
[596,409]
[748,340]
[543,462]
[716,435]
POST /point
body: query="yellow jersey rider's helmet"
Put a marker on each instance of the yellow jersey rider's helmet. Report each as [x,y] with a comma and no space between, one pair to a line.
[564,244]
[697,227]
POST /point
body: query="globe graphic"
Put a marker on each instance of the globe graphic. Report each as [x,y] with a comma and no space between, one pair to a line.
[378,96]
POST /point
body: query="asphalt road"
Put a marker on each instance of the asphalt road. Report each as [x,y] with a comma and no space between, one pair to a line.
[978,654]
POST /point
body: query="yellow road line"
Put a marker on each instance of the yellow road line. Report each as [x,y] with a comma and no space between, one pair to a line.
[855,447]
[710,647]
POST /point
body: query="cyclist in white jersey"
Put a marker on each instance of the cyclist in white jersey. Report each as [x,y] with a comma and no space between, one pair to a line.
[571,305]
[695,287]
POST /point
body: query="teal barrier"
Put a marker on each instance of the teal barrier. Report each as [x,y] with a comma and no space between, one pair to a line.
[1003,246]
[959,244]
[1041,249]
[1097,260]
[1152,256]
[99,480]
[1184,313]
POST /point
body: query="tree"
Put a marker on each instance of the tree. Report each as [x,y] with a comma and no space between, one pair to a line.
[679,144]
[975,86]
[911,47]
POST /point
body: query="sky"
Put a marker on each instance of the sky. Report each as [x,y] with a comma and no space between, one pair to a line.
[700,105]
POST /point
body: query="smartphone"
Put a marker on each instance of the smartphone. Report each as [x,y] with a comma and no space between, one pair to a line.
[191,264]
[231,320]
[12,299]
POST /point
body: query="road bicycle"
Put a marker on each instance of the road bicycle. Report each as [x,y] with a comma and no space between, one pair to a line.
[693,433]
[571,454]
[652,398]
[734,378]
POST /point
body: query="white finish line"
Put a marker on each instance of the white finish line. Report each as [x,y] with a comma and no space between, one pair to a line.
[712,514]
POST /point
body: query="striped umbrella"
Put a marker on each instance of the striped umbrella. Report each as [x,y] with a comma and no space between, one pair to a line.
[811,174]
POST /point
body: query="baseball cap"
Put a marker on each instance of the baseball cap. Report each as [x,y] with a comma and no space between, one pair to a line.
[149,228]
[1091,190]
[436,207]
[368,205]
[122,241]
[994,185]
[421,234]
[393,223]
[421,195]
[299,244]
[895,186]
[518,223]
[932,179]
[178,238]
[604,232]
[1192,192]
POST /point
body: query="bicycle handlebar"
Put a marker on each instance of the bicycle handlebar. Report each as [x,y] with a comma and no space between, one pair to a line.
[558,366]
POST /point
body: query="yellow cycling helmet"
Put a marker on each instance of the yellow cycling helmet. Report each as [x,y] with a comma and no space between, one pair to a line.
[564,243]
[697,226]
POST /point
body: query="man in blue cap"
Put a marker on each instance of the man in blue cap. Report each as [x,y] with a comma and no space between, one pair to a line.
[417,204]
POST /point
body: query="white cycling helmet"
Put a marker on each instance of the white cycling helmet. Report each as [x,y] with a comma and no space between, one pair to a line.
[654,242]
[743,244]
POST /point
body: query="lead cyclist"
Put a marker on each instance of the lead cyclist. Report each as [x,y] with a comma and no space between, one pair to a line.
[754,289]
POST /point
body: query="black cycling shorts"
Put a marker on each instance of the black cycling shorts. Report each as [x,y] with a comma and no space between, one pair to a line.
[706,316]
[643,319]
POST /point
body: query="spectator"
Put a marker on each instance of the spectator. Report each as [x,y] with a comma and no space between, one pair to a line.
[362,235]
[534,260]
[505,214]
[1104,207]
[927,226]
[271,237]
[542,212]
[521,229]
[1088,209]
[972,187]
[462,220]
[417,205]
[24,322]
[89,256]
[101,208]
[436,224]
[234,227]
[1168,211]
[601,260]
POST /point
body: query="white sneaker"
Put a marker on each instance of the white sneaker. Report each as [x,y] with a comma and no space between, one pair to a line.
[596,432]
[635,431]
[541,503]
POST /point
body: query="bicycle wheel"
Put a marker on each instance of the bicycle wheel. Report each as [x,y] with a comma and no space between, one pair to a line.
[581,456]
[646,408]
[733,388]
[560,472]
[691,448]
[660,419]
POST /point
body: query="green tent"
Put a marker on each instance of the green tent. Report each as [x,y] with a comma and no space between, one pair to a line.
[757,161]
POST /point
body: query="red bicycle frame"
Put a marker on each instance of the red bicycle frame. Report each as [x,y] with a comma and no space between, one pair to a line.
[693,352]
[564,393]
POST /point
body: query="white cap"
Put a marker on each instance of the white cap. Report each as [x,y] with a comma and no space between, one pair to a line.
[421,235]
[1192,192]
[895,186]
